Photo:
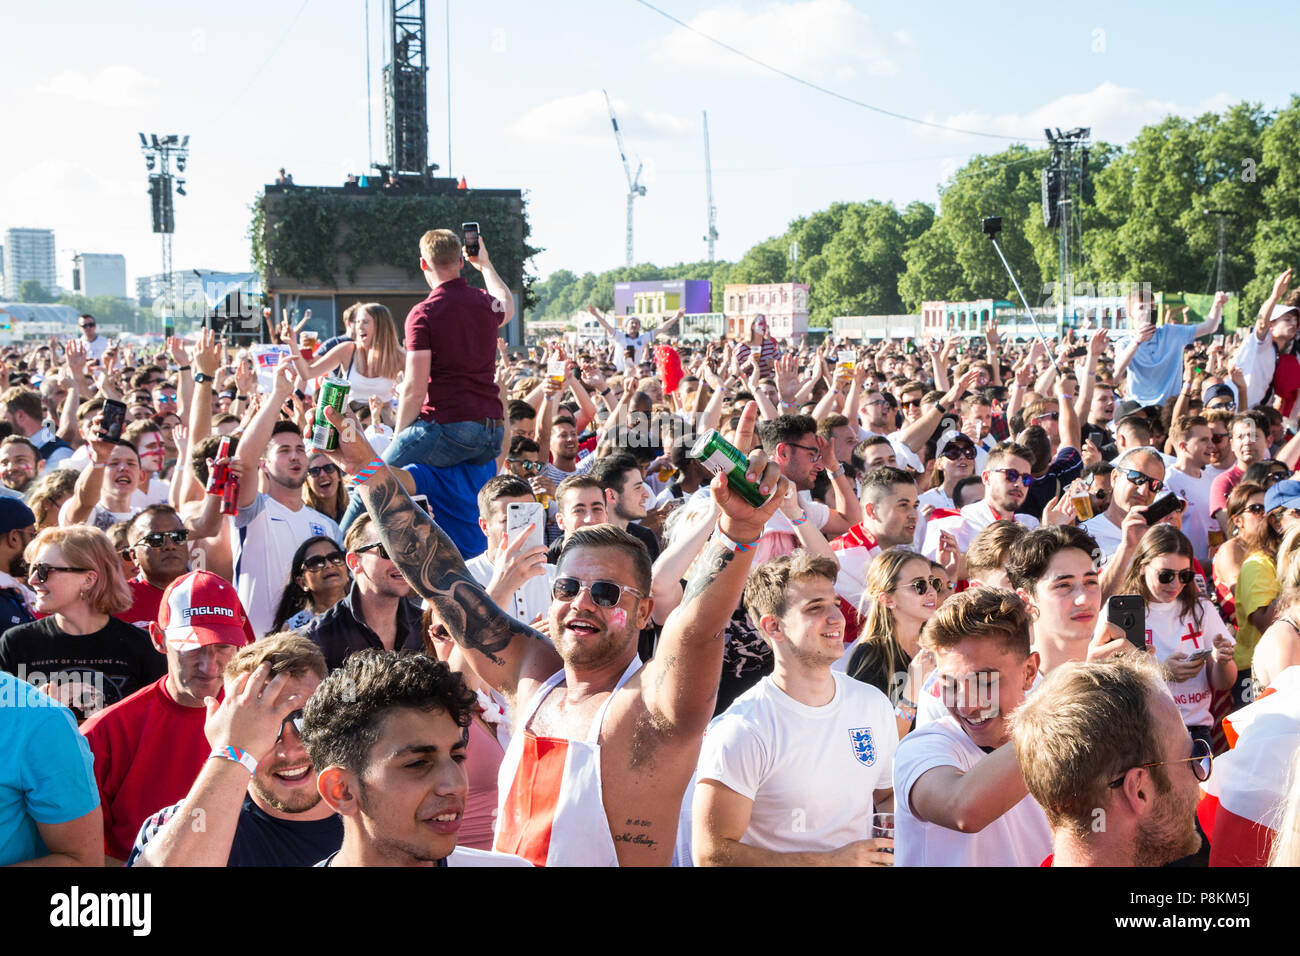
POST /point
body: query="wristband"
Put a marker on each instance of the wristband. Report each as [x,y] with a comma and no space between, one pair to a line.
[182,368]
[241,757]
[240,398]
[801,519]
[733,545]
[367,471]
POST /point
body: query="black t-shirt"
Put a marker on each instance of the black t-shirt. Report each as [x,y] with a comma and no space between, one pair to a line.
[746,659]
[261,839]
[860,667]
[87,672]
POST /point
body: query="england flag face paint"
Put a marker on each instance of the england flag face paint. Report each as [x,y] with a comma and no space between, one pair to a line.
[618,618]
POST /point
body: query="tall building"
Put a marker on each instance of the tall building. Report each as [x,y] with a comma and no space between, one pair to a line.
[29,254]
[783,304]
[99,274]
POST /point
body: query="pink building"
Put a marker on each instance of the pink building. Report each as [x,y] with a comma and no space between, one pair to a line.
[785,304]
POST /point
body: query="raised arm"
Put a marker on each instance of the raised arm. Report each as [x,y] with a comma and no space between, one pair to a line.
[680,683]
[496,286]
[1211,323]
[604,323]
[968,802]
[501,649]
[321,364]
[258,435]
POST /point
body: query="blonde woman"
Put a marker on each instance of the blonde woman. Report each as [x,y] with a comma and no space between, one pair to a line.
[371,361]
[78,652]
[1279,647]
[902,592]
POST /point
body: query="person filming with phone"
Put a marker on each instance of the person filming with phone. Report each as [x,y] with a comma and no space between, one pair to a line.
[513,570]
[449,408]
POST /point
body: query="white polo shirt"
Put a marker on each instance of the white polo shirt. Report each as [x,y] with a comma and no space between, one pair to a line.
[530,600]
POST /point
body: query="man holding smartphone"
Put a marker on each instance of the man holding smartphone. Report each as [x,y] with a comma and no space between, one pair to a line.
[449,411]
[517,577]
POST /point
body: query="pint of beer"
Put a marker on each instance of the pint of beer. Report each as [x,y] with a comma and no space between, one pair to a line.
[555,371]
[1083,506]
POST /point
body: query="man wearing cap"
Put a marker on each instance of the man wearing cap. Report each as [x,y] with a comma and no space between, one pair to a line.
[1275,327]
[17,528]
[149,747]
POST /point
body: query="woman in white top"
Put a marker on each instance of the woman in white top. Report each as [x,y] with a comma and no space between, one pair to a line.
[1191,641]
[372,362]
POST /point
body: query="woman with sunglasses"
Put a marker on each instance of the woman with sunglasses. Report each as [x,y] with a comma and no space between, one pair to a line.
[1279,646]
[318,579]
[1248,521]
[954,460]
[78,652]
[1255,595]
[324,489]
[902,592]
[1191,642]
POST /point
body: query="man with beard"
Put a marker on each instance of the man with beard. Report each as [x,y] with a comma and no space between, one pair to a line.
[791,441]
[603,748]
[257,794]
[20,464]
[271,524]
[377,610]
[1139,476]
[1006,477]
[17,529]
[1103,742]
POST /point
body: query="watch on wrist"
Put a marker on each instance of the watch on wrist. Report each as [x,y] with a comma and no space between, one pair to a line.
[201,377]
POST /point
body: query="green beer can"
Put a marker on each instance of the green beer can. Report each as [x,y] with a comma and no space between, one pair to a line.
[334,394]
[723,458]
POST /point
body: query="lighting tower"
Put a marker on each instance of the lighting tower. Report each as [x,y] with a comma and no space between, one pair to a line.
[159,154]
[406,112]
[634,187]
[1063,180]
[712,235]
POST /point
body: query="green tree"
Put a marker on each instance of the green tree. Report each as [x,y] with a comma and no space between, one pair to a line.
[1276,242]
[31,290]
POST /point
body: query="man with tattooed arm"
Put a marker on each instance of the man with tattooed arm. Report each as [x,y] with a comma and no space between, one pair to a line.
[603,747]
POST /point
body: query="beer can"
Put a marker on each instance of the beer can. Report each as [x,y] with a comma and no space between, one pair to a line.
[230,496]
[334,394]
[721,457]
[1083,506]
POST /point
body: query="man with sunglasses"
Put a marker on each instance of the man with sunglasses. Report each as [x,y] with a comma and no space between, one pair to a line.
[1006,478]
[377,610]
[150,746]
[1139,477]
[94,343]
[264,809]
[157,543]
[1104,751]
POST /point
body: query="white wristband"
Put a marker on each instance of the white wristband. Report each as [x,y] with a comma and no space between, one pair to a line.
[241,757]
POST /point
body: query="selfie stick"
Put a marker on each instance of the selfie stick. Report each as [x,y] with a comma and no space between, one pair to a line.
[991,226]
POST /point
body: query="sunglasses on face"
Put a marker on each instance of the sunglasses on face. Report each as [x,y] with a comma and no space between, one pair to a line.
[40,573]
[1202,761]
[1047,417]
[921,585]
[603,593]
[912,404]
[296,719]
[165,398]
[317,470]
[1139,479]
[1229,404]
[1166,576]
[377,547]
[1276,476]
[159,539]
[1255,509]
[317,562]
[952,453]
[1013,475]
[525,464]
[85,325]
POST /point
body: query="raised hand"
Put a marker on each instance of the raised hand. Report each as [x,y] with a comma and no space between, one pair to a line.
[741,521]
[207,353]
[252,713]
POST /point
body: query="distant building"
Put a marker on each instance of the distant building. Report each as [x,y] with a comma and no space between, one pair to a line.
[29,254]
[97,273]
[655,301]
[783,304]
[868,328]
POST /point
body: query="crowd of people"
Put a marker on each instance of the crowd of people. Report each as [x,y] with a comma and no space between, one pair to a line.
[949,603]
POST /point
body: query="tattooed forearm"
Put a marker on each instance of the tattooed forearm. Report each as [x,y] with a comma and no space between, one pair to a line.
[707,568]
[434,567]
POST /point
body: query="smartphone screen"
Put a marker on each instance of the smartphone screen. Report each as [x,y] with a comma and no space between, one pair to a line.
[470,230]
[114,419]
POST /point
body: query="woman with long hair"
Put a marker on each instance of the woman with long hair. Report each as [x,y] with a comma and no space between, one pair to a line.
[903,593]
[318,579]
[86,658]
[371,361]
[48,494]
[1279,646]
[1190,639]
[324,489]
[762,346]
[1248,520]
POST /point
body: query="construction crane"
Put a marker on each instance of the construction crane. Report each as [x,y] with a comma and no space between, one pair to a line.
[634,187]
[712,235]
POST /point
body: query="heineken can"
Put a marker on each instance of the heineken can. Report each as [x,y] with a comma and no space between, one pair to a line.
[723,458]
[334,394]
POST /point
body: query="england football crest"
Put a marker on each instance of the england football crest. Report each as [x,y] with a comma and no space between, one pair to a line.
[864,745]
[317,529]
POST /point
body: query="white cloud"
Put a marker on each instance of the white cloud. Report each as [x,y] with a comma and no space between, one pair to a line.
[584,118]
[817,39]
[115,86]
[1114,113]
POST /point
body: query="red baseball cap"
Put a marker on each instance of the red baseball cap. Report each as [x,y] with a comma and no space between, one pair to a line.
[198,609]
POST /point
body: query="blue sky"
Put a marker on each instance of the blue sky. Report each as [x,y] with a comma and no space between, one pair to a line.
[282,83]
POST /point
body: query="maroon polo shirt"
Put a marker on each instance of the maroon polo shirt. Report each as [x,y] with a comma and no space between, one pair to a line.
[458,325]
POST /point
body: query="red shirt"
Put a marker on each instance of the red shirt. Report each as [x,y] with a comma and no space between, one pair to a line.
[1286,382]
[148,751]
[1222,486]
[458,325]
[146,600]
